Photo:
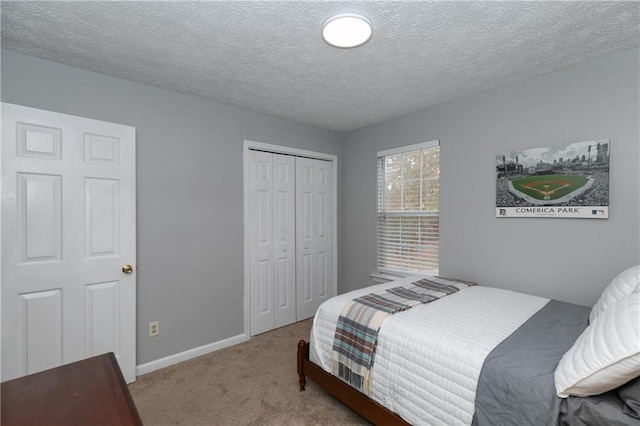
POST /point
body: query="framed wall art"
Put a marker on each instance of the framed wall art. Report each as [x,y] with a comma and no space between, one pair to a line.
[557,181]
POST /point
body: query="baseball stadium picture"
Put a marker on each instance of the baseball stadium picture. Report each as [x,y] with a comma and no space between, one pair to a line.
[560,181]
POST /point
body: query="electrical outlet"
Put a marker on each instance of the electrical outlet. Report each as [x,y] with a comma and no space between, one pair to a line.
[154,328]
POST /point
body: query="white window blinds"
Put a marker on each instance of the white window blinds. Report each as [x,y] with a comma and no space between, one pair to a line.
[408,208]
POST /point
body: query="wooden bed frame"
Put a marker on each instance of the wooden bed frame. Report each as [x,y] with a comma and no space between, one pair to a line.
[357,401]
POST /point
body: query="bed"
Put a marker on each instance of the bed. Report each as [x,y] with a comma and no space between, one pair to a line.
[487,356]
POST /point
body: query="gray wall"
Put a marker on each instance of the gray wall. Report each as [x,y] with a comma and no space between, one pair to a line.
[189,189]
[567,259]
[189,186]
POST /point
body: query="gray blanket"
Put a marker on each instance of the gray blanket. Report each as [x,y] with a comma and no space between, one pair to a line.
[516,385]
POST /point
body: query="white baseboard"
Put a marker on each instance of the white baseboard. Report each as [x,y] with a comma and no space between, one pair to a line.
[191,353]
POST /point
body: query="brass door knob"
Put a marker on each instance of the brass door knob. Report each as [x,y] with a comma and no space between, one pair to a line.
[127,269]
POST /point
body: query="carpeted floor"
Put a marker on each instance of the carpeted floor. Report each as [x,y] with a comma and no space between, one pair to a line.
[253,383]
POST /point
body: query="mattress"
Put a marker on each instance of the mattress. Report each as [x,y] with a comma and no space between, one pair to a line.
[428,359]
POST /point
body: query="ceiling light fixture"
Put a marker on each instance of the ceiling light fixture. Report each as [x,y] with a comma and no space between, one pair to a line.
[346,30]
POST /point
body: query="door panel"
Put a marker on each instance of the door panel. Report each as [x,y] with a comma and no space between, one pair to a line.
[39,342]
[261,231]
[101,217]
[272,230]
[68,226]
[103,322]
[314,265]
[284,244]
[39,217]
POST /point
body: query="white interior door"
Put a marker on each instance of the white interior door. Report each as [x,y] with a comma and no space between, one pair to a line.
[272,241]
[314,231]
[68,227]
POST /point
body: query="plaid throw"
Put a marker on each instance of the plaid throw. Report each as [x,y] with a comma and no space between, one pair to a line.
[356,336]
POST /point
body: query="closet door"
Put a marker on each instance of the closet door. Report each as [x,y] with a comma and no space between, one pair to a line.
[271,212]
[284,253]
[314,231]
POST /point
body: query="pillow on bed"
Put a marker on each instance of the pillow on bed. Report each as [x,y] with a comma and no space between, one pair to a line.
[606,355]
[624,284]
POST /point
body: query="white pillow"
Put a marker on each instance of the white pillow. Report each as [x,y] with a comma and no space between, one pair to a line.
[622,285]
[607,353]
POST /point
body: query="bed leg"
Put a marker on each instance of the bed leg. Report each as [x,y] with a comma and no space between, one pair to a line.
[303,353]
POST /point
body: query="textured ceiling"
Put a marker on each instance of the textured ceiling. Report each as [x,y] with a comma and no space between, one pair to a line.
[269,56]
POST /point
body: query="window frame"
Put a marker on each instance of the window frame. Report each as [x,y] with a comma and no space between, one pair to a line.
[380,213]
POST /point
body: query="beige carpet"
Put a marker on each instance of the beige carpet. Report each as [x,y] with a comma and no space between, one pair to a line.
[253,383]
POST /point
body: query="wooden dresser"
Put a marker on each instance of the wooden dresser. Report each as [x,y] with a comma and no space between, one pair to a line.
[88,392]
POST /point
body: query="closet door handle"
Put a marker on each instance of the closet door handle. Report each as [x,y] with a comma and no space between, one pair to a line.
[306,247]
[285,249]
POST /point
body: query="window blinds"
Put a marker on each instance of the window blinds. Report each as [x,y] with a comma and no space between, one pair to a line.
[408,209]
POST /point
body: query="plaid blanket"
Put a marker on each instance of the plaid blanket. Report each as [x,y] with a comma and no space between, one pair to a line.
[356,335]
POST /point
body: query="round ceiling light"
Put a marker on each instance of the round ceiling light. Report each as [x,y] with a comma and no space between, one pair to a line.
[346,30]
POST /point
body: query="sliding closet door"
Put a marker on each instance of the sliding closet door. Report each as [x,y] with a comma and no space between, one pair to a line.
[314,231]
[272,241]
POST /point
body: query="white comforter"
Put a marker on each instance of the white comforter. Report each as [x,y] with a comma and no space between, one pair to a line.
[429,358]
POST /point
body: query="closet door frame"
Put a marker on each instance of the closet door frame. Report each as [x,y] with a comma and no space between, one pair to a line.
[278,149]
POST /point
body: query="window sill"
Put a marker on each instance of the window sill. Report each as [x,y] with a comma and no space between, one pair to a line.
[386,276]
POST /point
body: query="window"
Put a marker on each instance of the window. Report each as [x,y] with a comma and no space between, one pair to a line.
[408,208]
